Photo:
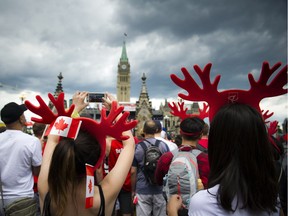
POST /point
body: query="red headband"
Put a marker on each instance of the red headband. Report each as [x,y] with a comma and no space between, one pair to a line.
[191,134]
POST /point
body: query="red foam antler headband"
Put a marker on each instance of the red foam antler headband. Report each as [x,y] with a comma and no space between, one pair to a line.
[215,99]
[181,112]
[97,129]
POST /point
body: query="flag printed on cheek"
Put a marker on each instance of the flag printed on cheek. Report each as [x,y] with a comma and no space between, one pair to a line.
[89,186]
[65,126]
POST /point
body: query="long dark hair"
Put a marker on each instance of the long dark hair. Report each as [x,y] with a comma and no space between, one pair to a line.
[67,167]
[241,159]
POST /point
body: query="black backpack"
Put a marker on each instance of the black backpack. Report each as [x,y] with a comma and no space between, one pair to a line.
[152,154]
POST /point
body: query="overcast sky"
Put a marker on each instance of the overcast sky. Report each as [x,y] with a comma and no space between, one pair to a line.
[83,39]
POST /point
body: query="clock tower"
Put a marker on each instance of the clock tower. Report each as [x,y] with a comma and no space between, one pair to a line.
[123,77]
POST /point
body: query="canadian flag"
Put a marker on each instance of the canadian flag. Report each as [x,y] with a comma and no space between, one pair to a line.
[65,126]
[89,186]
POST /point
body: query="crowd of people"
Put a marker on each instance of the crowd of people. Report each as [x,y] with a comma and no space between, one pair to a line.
[102,169]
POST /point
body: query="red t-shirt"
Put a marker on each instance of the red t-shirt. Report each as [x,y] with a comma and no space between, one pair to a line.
[115,150]
[203,142]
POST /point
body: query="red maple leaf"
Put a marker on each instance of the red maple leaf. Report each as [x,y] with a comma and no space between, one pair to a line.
[61,125]
[90,186]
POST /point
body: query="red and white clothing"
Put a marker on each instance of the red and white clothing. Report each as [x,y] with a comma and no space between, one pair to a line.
[115,150]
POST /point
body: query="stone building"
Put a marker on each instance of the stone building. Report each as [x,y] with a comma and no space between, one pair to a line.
[123,77]
[141,110]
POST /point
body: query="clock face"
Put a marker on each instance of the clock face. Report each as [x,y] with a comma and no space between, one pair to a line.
[123,66]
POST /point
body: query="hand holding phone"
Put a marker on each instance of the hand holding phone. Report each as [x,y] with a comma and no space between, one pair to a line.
[94,97]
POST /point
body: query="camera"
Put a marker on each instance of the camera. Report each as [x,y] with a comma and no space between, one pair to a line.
[94,97]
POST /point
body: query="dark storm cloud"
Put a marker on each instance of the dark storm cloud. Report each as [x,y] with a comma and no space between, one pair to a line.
[83,40]
[240,35]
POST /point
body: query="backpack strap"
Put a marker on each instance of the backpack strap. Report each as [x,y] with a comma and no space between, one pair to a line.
[193,151]
[157,143]
[143,145]
[196,152]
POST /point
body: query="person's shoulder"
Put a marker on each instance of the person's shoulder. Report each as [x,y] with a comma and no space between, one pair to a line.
[171,145]
[23,135]
[204,201]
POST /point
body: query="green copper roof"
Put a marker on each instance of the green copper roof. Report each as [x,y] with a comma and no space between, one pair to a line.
[124,57]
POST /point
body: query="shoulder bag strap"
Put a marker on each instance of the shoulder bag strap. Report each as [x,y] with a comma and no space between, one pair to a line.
[1,190]
[196,152]
[157,143]
[143,145]
[102,205]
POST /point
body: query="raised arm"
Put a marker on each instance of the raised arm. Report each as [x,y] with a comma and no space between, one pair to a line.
[43,176]
[79,101]
[118,174]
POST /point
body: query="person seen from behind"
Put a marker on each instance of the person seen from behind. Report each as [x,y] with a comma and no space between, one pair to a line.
[158,136]
[20,157]
[191,130]
[62,180]
[243,178]
[147,197]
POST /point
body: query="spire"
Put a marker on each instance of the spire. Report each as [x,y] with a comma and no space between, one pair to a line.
[59,87]
[144,88]
[124,57]
[58,90]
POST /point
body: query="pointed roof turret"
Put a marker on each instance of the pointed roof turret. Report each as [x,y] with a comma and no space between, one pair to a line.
[144,88]
[124,57]
[58,90]
[59,87]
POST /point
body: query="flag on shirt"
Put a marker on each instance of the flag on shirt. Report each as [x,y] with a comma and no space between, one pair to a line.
[65,126]
[89,186]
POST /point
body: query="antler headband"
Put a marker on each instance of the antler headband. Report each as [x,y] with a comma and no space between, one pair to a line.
[181,112]
[259,89]
[99,130]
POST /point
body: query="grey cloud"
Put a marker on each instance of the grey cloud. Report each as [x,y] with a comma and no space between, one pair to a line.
[83,40]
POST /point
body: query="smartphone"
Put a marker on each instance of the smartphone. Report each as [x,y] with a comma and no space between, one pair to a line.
[94,97]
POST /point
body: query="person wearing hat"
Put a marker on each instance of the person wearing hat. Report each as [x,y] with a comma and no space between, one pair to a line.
[20,156]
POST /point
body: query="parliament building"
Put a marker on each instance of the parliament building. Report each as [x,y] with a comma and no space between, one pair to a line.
[141,110]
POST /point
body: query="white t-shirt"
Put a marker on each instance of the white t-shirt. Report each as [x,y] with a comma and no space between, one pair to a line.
[18,153]
[170,144]
[203,204]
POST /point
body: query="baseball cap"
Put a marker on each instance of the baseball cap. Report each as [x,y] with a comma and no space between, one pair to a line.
[11,112]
